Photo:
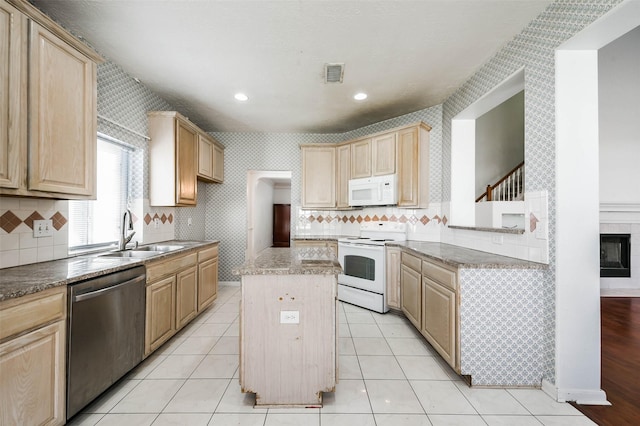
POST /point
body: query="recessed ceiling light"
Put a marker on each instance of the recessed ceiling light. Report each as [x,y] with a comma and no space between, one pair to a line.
[360,96]
[241,97]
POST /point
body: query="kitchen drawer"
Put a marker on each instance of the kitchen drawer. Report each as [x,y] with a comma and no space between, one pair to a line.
[26,313]
[411,261]
[439,274]
[207,254]
[161,268]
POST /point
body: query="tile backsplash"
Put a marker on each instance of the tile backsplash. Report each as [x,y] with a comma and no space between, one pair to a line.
[18,246]
[17,243]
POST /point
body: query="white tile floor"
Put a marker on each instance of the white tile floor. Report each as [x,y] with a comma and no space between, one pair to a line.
[389,376]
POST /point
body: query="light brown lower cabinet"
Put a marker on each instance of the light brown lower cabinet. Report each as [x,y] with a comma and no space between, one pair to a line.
[411,289]
[186,296]
[207,277]
[439,318]
[393,276]
[32,358]
[429,299]
[178,288]
[160,322]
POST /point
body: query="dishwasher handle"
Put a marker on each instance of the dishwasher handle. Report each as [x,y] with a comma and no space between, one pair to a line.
[100,292]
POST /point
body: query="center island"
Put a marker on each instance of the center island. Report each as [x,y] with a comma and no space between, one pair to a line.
[289,326]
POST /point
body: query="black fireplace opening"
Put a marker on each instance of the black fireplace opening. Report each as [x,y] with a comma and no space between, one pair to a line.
[615,255]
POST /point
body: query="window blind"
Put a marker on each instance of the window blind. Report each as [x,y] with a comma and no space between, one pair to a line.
[96,223]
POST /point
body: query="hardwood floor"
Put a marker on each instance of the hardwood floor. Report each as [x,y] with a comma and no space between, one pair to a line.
[620,363]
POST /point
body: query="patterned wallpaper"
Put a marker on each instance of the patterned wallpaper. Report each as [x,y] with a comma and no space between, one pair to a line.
[501,330]
[533,49]
[222,208]
[221,212]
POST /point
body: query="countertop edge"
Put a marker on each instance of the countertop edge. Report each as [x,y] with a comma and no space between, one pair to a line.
[125,264]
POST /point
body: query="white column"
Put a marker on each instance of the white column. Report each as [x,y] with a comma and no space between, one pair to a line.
[577,222]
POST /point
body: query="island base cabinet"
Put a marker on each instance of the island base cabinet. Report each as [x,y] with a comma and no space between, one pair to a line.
[288,338]
[439,319]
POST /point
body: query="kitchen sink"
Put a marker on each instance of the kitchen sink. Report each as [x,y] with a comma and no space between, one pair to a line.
[132,253]
[163,248]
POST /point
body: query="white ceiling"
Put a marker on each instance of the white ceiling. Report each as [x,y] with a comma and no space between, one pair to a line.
[196,54]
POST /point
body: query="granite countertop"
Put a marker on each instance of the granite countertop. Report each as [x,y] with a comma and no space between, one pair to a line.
[460,257]
[317,237]
[27,279]
[291,261]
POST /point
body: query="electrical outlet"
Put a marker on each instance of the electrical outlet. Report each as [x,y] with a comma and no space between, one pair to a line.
[42,228]
[497,239]
[156,223]
[289,317]
[189,222]
[541,230]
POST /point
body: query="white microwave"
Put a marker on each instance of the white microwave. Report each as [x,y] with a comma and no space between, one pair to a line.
[374,191]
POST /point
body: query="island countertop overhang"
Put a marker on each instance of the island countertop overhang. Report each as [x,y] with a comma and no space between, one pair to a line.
[291,261]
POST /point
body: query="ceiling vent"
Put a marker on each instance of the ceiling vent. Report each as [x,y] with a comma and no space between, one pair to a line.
[333,73]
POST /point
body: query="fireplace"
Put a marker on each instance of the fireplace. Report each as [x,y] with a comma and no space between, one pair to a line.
[615,255]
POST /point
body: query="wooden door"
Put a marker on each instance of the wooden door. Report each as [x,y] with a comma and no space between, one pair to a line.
[205,157]
[343,169]
[62,116]
[318,177]
[186,151]
[186,296]
[13,112]
[393,277]
[410,295]
[32,368]
[281,225]
[207,282]
[361,159]
[383,155]
[218,163]
[408,164]
[439,319]
[160,314]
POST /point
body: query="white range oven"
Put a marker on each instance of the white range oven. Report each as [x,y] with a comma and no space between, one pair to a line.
[363,261]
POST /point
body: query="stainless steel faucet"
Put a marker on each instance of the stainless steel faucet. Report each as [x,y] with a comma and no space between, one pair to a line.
[127,225]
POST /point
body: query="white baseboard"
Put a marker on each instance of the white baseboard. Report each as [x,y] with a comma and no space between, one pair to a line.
[230,283]
[550,389]
[580,396]
[620,292]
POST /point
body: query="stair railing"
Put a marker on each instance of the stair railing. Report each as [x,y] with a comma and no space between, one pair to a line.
[508,188]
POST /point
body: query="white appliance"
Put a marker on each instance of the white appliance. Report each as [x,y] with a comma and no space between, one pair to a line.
[374,191]
[363,260]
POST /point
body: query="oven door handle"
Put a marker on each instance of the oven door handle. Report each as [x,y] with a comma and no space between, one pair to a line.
[100,292]
[360,246]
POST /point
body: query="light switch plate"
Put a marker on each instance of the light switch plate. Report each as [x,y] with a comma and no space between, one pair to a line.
[42,228]
[289,317]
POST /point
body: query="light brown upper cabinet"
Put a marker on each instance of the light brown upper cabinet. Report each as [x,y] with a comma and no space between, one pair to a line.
[13,102]
[210,159]
[343,174]
[318,176]
[383,154]
[173,151]
[403,150]
[218,163]
[49,108]
[361,159]
[413,166]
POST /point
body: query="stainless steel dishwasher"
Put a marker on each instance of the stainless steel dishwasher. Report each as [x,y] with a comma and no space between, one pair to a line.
[105,336]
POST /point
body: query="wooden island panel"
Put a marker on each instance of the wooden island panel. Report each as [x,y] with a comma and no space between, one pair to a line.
[288,364]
